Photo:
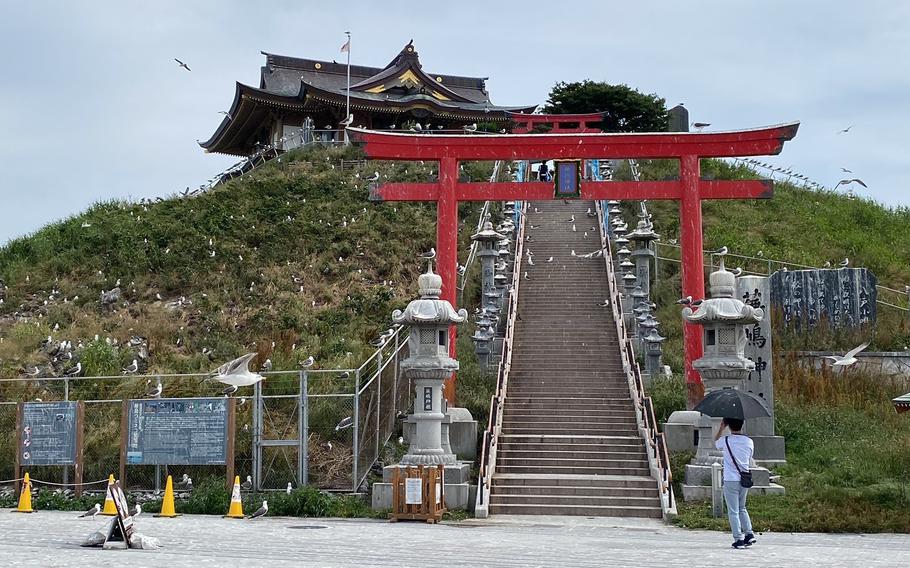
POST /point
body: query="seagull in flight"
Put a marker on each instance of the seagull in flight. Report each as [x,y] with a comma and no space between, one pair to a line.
[93,512]
[845,130]
[182,64]
[226,113]
[849,358]
[261,511]
[237,374]
[849,181]
[846,171]
[345,423]
[700,125]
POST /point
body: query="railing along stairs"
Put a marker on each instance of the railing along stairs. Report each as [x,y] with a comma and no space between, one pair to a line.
[494,423]
[655,445]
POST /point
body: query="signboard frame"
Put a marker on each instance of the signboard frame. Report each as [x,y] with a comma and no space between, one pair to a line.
[230,435]
[79,440]
[567,179]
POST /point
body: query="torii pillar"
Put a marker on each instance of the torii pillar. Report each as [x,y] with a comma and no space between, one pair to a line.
[689,189]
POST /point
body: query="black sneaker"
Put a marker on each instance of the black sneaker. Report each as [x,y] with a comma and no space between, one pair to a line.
[749,539]
[739,544]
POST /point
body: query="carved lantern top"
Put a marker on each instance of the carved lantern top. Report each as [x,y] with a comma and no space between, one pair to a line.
[429,308]
[723,306]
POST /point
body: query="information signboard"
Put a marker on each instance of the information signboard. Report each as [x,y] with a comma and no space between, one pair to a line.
[568,178]
[47,433]
[177,431]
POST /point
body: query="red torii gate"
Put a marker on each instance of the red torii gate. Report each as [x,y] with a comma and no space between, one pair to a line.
[525,123]
[689,189]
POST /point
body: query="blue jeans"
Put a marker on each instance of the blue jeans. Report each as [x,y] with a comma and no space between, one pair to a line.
[735,496]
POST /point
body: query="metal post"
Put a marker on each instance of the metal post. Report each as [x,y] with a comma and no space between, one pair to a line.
[303,437]
[356,432]
[257,436]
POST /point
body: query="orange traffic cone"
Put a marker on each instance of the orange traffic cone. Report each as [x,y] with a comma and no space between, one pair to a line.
[236,509]
[25,497]
[109,508]
[167,505]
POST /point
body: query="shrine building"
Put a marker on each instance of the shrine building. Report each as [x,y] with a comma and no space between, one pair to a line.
[401,94]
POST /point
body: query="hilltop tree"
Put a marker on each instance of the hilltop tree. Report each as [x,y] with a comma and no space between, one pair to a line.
[625,109]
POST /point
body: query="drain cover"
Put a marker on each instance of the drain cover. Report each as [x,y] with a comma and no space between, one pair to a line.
[308,527]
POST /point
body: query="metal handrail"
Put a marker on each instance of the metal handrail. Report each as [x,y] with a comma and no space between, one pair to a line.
[494,423]
[484,215]
[655,444]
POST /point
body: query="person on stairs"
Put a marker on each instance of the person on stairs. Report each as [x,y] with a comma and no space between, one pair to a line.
[738,450]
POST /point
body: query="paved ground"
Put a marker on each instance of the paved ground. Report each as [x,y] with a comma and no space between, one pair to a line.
[50,539]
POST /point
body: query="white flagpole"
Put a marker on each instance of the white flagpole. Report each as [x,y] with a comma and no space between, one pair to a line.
[347,98]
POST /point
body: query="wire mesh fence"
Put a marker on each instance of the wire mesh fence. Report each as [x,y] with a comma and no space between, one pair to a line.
[323,427]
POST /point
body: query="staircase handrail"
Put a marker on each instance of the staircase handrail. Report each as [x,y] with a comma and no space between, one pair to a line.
[490,444]
[484,215]
[656,448]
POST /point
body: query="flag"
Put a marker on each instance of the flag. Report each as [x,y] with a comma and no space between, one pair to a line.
[347,46]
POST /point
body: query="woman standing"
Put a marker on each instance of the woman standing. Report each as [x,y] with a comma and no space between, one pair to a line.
[738,449]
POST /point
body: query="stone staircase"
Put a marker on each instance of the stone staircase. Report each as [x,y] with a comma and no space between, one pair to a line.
[569,443]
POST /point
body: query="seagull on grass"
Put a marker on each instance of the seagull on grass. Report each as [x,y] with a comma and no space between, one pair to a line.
[131,368]
[849,358]
[153,392]
[844,263]
[289,488]
[261,511]
[310,361]
[248,484]
[93,512]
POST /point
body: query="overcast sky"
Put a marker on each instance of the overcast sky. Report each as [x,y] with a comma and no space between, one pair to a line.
[93,106]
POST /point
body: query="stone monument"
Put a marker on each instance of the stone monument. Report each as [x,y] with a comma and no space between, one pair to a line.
[756,292]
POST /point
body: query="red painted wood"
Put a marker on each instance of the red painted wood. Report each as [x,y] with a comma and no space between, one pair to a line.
[412,146]
[693,270]
[447,249]
[524,123]
[539,190]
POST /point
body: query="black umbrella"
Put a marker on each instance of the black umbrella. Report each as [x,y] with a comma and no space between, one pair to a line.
[732,403]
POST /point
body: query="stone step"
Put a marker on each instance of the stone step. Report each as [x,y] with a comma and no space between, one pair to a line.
[569,453]
[586,511]
[551,480]
[568,428]
[601,500]
[551,415]
[512,419]
[547,464]
[579,490]
[572,470]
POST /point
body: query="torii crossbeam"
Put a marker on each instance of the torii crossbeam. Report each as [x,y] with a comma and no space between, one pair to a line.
[689,189]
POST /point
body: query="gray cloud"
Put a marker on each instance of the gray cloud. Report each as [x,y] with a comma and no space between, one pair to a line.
[93,107]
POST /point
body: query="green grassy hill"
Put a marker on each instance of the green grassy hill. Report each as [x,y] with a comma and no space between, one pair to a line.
[289,261]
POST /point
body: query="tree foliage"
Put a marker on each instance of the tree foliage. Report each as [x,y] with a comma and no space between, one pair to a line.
[625,109]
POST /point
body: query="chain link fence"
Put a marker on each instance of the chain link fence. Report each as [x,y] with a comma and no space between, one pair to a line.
[322,427]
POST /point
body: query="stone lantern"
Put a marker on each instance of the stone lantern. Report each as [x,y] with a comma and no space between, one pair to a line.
[628,286]
[653,352]
[620,243]
[646,322]
[627,267]
[486,238]
[641,238]
[724,318]
[428,366]
[483,343]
